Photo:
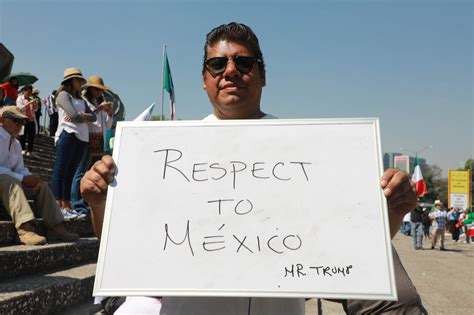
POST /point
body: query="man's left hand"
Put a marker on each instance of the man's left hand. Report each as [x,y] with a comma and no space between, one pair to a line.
[400,192]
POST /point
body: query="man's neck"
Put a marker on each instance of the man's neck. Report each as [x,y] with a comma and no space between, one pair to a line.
[257,115]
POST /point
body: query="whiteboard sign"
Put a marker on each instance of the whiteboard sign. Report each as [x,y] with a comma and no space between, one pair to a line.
[257,208]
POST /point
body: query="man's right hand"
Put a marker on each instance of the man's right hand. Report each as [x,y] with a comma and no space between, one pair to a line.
[94,186]
[30,181]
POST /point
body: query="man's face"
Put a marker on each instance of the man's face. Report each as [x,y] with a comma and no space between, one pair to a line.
[234,95]
[12,126]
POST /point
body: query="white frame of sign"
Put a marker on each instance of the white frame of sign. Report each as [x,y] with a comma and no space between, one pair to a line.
[346,244]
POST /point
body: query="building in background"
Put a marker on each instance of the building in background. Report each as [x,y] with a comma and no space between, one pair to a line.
[390,157]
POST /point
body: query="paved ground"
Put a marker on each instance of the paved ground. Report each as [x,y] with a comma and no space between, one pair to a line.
[444,279]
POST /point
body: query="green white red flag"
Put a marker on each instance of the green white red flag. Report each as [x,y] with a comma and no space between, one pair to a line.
[418,180]
[168,86]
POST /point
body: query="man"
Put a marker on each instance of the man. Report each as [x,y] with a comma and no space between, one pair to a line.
[233,76]
[406,224]
[426,223]
[416,218]
[118,115]
[52,113]
[28,106]
[17,185]
[38,113]
[453,218]
[439,218]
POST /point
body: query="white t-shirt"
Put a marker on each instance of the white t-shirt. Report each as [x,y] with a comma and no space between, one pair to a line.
[80,130]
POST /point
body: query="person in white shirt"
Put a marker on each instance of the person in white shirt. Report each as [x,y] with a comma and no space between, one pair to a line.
[28,106]
[233,76]
[18,185]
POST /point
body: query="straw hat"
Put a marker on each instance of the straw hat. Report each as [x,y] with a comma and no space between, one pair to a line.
[36,91]
[70,73]
[438,202]
[97,82]
[12,112]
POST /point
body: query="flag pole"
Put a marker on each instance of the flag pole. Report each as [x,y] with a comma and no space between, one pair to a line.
[163,81]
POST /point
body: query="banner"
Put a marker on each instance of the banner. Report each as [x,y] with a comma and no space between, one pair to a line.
[253,216]
[459,189]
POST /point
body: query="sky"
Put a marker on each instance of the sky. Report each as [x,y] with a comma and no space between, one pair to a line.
[409,63]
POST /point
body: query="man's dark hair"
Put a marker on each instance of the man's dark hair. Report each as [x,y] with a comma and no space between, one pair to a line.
[234,32]
[27,88]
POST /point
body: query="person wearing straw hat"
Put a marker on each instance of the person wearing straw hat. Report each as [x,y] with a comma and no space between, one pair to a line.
[71,138]
[233,75]
[439,218]
[18,185]
[93,95]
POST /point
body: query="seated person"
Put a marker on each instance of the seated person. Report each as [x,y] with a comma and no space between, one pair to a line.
[18,185]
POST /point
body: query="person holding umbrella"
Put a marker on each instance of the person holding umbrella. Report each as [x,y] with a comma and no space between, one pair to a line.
[11,84]
[10,91]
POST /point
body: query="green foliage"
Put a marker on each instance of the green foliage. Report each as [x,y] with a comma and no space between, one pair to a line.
[436,184]
[157,117]
[469,165]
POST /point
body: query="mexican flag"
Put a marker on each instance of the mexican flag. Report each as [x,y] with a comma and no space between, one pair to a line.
[418,180]
[168,86]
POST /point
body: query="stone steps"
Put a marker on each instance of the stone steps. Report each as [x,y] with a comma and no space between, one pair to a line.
[51,278]
[47,293]
[35,163]
[44,174]
[19,260]
[8,235]
[45,148]
[42,164]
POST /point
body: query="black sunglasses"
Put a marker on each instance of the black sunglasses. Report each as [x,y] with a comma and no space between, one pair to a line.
[244,64]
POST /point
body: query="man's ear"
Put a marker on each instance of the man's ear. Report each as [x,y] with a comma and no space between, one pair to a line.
[264,78]
[204,81]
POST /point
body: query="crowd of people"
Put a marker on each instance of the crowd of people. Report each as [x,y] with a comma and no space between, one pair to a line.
[83,114]
[432,223]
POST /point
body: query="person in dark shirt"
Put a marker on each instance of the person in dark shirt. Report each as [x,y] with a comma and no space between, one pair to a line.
[416,218]
[426,223]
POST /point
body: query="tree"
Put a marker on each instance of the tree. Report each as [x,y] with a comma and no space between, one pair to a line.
[436,184]
[469,165]
[157,117]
